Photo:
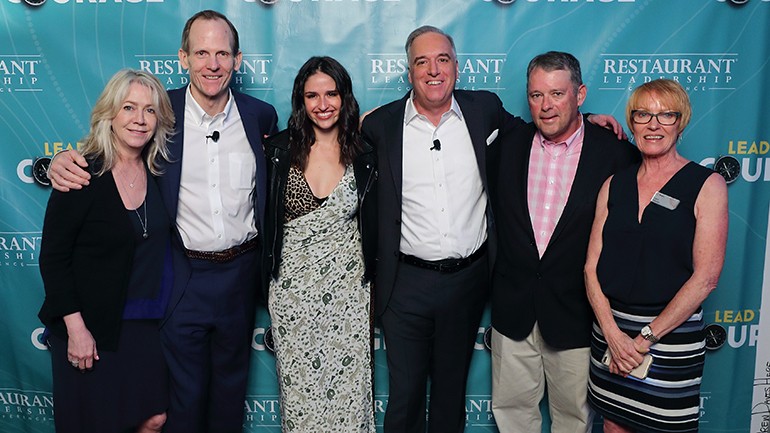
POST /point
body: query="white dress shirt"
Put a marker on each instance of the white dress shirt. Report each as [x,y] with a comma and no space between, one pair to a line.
[216,194]
[443,199]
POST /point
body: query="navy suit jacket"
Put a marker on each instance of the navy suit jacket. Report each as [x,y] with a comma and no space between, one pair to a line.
[259,119]
[549,290]
[384,129]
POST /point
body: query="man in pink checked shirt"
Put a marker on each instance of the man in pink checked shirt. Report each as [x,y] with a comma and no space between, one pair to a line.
[543,195]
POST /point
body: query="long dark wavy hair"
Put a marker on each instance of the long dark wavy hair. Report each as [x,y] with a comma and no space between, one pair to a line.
[301,134]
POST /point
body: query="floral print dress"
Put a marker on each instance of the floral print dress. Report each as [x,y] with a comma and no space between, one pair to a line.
[320,311]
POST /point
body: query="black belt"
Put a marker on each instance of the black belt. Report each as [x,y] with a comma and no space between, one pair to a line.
[445,265]
[224,255]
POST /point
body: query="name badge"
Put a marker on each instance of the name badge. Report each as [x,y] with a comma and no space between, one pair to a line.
[664,200]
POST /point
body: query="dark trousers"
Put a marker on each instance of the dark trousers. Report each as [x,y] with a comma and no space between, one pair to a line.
[430,327]
[206,341]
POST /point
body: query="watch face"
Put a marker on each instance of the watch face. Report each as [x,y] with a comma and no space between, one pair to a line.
[648,335]
[40,170]
[729,167]
[716,335]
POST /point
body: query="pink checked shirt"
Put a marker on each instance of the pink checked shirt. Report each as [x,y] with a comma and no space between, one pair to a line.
[552,168]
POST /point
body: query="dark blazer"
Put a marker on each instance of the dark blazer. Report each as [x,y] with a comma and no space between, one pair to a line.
[384,129]
[278,162]
[86,258]
[551,291]
[259,119]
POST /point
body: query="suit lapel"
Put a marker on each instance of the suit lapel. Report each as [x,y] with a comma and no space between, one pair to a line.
[477,130]
[169,182]
[586,170]
[394,133]
[521,155]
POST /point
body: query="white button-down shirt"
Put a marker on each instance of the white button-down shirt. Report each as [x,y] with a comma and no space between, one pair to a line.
[443,199]
[216,194]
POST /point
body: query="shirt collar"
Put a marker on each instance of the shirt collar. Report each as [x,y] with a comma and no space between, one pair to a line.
[199,115]
[576,137]
[410,113]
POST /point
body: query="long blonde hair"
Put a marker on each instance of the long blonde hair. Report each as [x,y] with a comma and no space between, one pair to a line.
[100,141]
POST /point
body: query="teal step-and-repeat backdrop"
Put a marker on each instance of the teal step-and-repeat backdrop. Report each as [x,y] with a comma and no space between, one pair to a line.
[56,57]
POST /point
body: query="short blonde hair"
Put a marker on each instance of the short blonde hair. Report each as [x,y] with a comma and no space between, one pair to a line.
[669,92]
[100,141]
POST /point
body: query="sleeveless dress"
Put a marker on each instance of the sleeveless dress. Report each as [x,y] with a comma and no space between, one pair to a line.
[320,310]
[641,267]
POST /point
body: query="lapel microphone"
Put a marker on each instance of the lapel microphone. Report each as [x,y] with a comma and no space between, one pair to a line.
[215,136]
[436,144]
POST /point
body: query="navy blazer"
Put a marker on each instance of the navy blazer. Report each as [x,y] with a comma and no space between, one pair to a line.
[384,129]
[259,119]
[549,290]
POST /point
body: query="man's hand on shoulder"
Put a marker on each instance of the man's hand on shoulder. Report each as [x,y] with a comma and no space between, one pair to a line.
[66,171]
[608,122]
[363,116]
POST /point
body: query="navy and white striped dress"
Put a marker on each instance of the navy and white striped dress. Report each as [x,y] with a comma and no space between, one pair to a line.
[641,268]
[669,398]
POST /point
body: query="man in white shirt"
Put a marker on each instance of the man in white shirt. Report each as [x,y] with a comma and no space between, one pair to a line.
[433,257]
[432,269]
[214,187]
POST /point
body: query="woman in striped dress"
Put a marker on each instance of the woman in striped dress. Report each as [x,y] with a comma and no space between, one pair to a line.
[656,252]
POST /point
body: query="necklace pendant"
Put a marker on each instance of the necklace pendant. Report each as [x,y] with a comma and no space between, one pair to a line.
[144,222]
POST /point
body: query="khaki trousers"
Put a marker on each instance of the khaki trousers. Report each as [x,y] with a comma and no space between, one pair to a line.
[521,371]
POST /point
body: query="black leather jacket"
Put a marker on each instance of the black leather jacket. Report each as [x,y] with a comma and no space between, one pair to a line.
[278,161]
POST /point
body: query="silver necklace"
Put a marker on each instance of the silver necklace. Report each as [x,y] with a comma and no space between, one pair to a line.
[143,223]
[131,184]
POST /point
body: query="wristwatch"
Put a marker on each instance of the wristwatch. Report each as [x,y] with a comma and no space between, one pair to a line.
[648,335]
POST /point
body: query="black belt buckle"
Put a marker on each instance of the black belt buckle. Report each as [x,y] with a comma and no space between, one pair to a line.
[446,266]
[451,267]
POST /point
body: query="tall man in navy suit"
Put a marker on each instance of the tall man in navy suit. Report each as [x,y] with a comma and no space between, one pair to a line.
[432,269]
[214,187]
[544,180]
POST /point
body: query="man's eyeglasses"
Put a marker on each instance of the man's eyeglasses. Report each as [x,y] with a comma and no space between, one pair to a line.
[666,118]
